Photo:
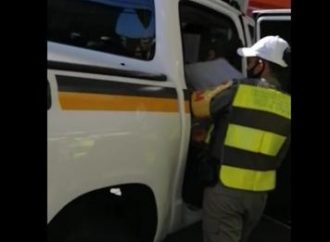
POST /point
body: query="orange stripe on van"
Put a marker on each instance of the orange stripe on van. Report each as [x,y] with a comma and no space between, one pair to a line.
[87,101]
[187,106]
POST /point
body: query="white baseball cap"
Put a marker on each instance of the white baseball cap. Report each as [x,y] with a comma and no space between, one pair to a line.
[270,48]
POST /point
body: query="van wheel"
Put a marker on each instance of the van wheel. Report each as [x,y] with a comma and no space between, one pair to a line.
[100,216]
[101,234]
[96,231]
[89,223]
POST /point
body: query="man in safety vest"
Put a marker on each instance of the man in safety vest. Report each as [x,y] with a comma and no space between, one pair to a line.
[251,135]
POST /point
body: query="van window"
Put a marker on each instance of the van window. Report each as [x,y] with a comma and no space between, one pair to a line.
[210,41]
[280,27]
[119,27]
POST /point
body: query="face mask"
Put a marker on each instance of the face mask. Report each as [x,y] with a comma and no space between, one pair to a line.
[251,74]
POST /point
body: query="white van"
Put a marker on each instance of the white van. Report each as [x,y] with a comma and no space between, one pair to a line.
[119,117]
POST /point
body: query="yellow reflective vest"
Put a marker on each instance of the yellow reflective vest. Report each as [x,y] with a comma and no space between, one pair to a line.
[259,124]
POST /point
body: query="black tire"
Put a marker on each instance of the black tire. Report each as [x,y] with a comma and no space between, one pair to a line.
[93,230]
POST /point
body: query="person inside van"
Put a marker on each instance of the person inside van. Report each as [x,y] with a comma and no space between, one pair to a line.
[145,48]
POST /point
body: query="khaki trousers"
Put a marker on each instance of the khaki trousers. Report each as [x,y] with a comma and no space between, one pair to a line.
[230,215]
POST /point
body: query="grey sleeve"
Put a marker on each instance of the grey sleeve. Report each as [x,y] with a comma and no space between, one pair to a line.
[222,101]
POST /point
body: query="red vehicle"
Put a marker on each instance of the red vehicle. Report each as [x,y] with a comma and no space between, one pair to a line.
[267,4]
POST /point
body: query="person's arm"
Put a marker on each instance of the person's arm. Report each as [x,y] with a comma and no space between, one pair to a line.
[201,100]
[221,101]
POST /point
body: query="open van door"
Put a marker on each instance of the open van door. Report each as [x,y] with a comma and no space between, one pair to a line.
[278,22]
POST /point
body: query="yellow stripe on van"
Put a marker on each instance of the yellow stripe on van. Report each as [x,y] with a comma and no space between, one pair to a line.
[88,101]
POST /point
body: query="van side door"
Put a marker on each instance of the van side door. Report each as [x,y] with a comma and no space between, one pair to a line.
[114,116]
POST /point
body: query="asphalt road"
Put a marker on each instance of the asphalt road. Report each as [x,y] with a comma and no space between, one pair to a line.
[267,231]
